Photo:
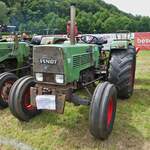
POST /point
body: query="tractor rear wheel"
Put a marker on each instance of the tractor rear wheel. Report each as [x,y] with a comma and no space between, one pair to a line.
[103,110]
[6,82]
[20,104]
[122,71]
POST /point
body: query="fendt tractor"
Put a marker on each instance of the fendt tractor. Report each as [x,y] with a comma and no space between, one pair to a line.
[62,69]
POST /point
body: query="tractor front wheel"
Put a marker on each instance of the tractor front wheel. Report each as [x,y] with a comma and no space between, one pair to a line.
[19,103]
[6,82]
[103,110]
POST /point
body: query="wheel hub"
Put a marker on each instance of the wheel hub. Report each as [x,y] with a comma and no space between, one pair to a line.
[26,97]
[109,111]
[5,90]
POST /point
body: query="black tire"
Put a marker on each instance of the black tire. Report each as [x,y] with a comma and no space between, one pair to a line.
[0,105]
[103,110]
[20,99]
[11,94]
[122,71]
[6,82]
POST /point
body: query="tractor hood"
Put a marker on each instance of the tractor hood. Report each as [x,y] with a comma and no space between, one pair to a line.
[57,61]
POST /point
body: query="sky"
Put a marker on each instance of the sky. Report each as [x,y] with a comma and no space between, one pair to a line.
[135,7]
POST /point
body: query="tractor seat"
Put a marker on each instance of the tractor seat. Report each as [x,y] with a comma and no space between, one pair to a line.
[90,39]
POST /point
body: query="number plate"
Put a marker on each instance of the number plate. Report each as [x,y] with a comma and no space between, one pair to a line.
[46,102]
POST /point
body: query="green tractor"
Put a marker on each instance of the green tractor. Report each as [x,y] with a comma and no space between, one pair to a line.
[15,61]
[62,69]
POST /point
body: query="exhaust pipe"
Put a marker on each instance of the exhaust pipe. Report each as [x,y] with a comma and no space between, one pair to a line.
[72,15]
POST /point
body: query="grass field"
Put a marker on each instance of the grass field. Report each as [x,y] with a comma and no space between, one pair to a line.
[70,131]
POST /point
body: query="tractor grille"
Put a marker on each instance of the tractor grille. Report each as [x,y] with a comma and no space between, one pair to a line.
[79,60]
[48,77]
[76,61]
[47,59]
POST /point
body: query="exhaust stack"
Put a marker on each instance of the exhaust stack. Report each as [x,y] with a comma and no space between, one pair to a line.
[72,15]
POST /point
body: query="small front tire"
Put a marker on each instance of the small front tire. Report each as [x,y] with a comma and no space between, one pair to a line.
[103,110]
[20,104]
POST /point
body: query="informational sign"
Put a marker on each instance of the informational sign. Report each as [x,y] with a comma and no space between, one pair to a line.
[142,40]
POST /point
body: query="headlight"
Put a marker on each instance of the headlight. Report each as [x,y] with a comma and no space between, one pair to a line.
[39,76]
[59,78]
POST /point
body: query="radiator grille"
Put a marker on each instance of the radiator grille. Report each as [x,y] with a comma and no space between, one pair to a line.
[50,53]
[79,60]
[49,77]
[76,61]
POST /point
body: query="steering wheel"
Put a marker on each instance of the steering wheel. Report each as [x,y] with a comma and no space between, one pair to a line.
[89,39]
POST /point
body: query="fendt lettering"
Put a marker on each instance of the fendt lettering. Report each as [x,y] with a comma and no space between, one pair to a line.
[48,61]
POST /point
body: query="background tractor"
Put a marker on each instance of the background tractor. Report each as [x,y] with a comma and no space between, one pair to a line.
[15,61]
[62,69]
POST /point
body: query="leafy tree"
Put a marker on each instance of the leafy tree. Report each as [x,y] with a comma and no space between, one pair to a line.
[93,16]
[3,13]
[85,22]
[144,24]
[111,24]
[54,22]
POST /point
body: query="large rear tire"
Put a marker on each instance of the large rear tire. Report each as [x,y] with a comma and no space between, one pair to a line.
[122,71]
[6,82]
[19,102]
[103,110]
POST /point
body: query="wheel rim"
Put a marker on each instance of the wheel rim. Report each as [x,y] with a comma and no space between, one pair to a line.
[4,92]
[109,111]
[26,100]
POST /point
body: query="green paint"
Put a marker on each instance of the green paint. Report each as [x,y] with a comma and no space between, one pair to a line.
[77,58]
[8,51]
[120,44]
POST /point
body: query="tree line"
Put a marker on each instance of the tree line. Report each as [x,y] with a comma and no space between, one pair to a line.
[93,16]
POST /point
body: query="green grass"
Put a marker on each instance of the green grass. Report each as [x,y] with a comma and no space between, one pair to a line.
[70,131]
